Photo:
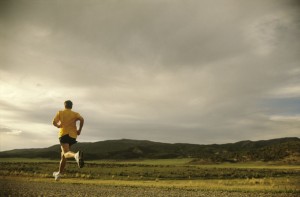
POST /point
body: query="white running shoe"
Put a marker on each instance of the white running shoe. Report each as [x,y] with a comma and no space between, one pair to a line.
[56,176]
[79,159]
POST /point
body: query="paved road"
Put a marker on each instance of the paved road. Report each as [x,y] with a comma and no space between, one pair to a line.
[23,187]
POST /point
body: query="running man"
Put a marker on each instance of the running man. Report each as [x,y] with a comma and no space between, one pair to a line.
[66,120]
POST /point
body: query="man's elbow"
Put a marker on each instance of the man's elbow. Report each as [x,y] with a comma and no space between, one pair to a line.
[80,119]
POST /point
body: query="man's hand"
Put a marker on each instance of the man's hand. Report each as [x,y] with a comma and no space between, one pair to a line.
[56,125]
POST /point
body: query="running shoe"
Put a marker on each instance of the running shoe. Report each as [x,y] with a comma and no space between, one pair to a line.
[56,176]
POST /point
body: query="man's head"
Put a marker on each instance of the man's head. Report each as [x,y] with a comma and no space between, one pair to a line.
[68,104]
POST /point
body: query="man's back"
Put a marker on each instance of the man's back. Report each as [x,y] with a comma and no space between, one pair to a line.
[68,119]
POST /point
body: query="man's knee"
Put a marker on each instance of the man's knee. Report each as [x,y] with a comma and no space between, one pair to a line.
[63,155]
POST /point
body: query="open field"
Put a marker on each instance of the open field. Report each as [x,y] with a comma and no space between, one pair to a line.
[149,178]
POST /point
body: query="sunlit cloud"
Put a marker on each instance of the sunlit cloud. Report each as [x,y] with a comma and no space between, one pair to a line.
[10,131]
[294,118]
[287,92]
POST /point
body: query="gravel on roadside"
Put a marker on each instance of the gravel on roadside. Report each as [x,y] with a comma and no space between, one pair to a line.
[10,187]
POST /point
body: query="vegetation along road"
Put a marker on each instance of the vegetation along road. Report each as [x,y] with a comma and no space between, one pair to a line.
[163,177]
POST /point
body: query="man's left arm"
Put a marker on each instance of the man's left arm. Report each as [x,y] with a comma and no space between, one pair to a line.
[81,122]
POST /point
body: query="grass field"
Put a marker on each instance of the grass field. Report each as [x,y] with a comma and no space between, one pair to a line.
[167,174]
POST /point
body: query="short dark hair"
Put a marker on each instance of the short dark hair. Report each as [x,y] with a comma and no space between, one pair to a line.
[68,104]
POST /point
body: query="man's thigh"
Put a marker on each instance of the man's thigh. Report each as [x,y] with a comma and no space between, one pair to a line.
[65,148]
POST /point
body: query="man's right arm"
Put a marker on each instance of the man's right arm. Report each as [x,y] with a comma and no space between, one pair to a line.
[56,121]
[55,124]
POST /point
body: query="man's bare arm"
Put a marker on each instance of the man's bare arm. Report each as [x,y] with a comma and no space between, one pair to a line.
[56,124]
[81,120]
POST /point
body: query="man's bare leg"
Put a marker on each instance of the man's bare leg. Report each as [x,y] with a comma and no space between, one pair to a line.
[65,153]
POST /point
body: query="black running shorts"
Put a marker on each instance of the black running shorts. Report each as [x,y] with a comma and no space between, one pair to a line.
[66,139]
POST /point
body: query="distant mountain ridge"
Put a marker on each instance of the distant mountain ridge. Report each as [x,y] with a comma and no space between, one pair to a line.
[282,149]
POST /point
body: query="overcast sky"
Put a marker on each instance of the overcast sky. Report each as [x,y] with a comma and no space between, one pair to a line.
[189,71]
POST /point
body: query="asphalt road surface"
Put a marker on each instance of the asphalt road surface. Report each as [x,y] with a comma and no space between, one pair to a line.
[22,187]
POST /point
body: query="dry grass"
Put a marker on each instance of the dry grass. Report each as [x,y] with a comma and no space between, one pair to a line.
[162,176]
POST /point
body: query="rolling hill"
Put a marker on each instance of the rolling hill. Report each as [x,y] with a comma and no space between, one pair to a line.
[283,149]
